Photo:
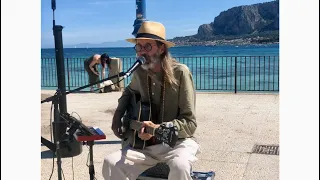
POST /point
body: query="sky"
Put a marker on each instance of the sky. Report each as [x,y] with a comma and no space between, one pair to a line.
[97,21]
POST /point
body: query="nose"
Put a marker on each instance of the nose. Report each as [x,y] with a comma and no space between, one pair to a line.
[143,50]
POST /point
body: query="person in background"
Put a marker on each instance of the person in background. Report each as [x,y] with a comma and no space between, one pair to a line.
[91,64]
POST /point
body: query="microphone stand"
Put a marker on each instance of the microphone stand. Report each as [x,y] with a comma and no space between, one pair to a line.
[59,102]
[56,146]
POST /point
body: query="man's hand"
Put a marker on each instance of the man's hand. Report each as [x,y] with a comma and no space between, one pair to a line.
[116,126]
[145,136]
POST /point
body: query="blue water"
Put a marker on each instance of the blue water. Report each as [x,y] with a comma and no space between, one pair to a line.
[217,73]
[247,50]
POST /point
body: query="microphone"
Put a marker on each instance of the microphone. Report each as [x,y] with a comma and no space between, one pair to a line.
[140,60]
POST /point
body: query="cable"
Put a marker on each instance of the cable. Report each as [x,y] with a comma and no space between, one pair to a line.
[51,136]
[51,139]
[88,159]
[72,168]
[77,114]
[63,174]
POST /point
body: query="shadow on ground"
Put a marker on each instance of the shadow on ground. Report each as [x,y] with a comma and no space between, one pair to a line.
[47,154]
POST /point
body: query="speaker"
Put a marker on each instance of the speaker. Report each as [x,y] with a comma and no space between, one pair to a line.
[70,148]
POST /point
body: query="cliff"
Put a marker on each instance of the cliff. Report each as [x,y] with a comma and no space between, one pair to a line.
[250,24]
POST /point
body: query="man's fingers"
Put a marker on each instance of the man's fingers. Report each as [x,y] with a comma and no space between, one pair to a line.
[142,130]
[145,136]
[117,132]
[147,123]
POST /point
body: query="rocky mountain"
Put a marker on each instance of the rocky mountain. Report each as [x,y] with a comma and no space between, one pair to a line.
[250,24]
[120,43]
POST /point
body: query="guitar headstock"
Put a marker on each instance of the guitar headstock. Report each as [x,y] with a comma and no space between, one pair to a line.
[167,133]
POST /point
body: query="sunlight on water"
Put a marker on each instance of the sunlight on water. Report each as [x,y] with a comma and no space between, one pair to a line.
[247,68]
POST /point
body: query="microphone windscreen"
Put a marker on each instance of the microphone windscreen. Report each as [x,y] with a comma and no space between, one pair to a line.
[141,59]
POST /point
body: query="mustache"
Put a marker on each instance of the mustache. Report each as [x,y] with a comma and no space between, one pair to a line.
[151,59]
[146,56]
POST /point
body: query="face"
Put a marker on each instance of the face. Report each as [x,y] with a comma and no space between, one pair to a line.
[150,50]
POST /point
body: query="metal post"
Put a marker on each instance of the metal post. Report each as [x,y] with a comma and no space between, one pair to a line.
[73,147]
[235,75]
[68,74]
[57,134]
[91,166]
[57,29]
[140,15]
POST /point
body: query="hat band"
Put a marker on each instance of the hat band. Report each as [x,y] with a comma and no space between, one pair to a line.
[147,35]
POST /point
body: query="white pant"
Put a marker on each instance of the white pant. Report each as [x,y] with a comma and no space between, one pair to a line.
[128,163]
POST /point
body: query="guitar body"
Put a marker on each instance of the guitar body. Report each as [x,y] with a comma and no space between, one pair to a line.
[144,114]
[137,111]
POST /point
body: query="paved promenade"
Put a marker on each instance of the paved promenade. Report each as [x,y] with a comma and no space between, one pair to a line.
[229,125]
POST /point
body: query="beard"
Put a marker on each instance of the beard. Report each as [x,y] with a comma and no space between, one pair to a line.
[151,61]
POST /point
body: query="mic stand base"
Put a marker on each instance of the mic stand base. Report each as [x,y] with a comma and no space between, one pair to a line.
[48,144]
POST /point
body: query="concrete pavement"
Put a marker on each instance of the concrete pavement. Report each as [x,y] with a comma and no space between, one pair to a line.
[229,125]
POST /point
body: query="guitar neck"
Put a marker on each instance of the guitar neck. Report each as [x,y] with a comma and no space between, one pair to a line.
[137,125]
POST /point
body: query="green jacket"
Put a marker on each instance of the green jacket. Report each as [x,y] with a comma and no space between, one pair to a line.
[179,103]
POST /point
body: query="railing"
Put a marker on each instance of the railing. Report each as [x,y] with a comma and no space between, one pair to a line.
[210,73]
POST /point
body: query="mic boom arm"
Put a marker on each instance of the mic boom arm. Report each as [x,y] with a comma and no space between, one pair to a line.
[140,60]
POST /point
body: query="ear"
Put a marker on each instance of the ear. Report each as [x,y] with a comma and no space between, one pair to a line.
[161,48]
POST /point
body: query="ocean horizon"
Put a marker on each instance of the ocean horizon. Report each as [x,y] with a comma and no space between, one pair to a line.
[213,67]
[179,51]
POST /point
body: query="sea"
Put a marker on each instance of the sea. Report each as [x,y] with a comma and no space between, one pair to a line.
[205,79]
[182,51]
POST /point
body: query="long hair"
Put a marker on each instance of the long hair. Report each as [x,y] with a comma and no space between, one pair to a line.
[105,59]
[108,62]
[167,63]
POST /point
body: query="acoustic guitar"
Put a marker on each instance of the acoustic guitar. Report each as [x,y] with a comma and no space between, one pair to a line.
[132,124]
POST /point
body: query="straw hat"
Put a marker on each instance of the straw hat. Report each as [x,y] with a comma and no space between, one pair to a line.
[152,30]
